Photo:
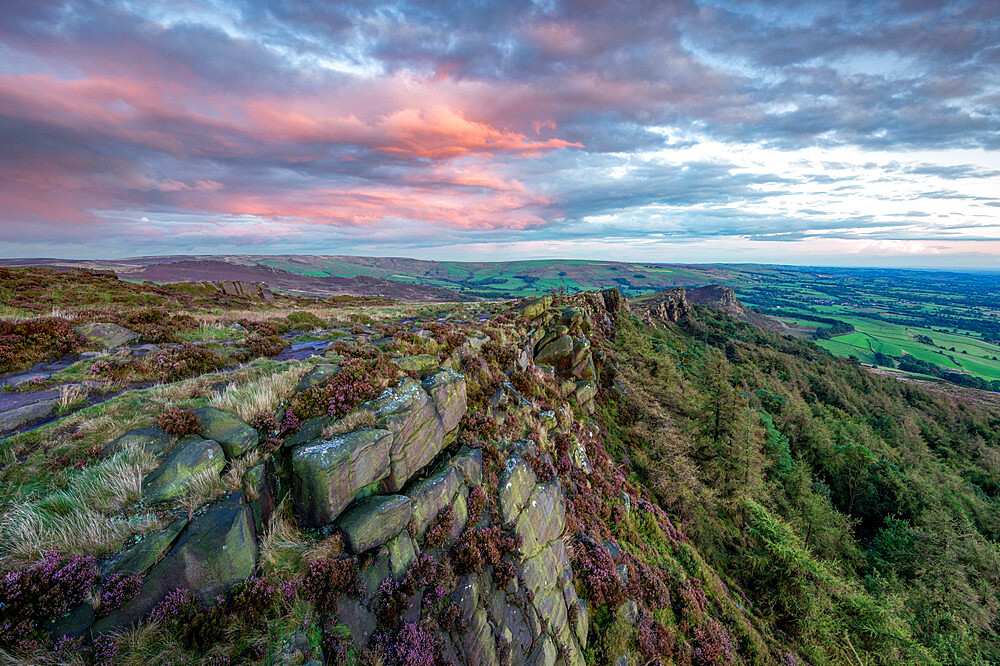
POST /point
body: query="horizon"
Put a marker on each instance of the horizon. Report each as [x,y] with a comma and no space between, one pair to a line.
[685,132]
[933,269]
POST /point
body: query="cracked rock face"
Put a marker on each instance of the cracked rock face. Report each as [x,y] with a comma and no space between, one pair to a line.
[420,417]
[213,552]
[328,474]
[192,456]
[375,520]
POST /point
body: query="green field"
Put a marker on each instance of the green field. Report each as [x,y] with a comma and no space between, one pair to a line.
[950,320]
[945,319]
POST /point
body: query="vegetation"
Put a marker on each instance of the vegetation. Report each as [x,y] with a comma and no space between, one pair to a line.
[746,498]
[858,513]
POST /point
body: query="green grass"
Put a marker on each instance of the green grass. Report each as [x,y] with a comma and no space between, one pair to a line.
[873,336]
[210,332]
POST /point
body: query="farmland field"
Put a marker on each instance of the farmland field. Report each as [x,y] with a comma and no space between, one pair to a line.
[947,320]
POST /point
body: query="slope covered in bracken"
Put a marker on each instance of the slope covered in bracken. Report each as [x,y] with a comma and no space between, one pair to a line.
[553,481]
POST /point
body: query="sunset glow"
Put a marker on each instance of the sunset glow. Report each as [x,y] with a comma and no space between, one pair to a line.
[678,132]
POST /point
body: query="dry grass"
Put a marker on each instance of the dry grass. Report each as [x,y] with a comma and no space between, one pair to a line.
[238,469]
[361,418]
[149,644]
[262,394]
[27,456]
[41,657]
[72,395]
[200,489]
[84,517]
[284,546]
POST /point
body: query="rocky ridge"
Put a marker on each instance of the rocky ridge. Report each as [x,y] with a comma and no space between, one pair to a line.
[381,489]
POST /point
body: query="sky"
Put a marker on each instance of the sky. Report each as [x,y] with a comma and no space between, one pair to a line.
[822,133]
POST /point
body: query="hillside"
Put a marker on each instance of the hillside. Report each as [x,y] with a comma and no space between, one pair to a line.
[560,480]
[167,270]
[925,324]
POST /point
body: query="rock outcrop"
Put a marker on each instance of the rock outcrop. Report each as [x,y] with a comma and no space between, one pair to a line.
[217,549]
[722,298]
[189,458]
[107,335]
[329,474]
[670,305]
[397,493]
[233,435]
[243,289]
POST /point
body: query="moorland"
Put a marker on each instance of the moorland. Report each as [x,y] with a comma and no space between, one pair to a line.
[940,325]
[228,475]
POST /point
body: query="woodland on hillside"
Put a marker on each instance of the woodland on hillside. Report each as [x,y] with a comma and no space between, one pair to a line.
[857,513]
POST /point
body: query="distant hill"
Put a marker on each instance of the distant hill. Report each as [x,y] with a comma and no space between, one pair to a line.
[215,268]
[473,279]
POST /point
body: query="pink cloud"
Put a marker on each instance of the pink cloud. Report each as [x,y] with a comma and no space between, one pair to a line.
[368,206]
[421,121]
[557,38]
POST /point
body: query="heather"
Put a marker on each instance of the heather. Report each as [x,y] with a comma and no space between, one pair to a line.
[546,479]
[25,342]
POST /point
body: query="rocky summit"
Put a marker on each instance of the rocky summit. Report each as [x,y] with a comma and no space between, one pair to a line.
[568,479]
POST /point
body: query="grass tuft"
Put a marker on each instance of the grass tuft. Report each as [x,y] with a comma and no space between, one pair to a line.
[82,518]
[262,394]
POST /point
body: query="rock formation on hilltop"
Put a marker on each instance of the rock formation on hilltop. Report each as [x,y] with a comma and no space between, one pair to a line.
[241,288]
[673,305]
[670,305]
[722,298]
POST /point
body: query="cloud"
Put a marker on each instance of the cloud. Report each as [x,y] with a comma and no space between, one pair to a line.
[209,125]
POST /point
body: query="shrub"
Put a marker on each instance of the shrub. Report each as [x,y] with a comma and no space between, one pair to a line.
[504,572]
[176,363]
[440,527]
[359,380]
[27,342]
[598,572]
[105,650]
[248,605]
[119,589]
[392,596]
[257,346]
[262,328]
[478,548]
[178,422]
[156,324]
[270,430]
[477,427]
[304,321]
[654,639]
[412,645]
[540,465]
[168,365]
[176,609]
[251,599]
[337,645]
[327,579]
[713,644]
[43,591]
